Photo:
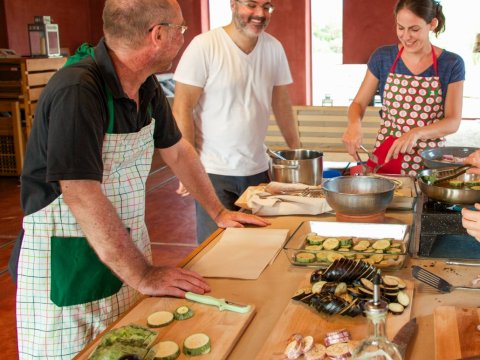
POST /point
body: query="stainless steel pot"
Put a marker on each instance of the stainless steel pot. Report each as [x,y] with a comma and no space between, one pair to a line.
[359,195]
[301,166]
[449,195]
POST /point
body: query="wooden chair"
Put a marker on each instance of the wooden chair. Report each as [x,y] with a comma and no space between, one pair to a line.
[23,79]
[12,143]
[322,127]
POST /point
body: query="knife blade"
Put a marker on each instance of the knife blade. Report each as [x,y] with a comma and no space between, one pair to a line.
[222,304]
[404,336]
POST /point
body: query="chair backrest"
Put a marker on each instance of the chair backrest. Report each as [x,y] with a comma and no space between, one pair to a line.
[322,127]
[23,79]
[12,143]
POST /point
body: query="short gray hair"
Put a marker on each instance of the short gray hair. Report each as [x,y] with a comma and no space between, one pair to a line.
[130,20]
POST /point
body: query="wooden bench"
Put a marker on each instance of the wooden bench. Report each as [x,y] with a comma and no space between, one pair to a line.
[322,127]
[23,79]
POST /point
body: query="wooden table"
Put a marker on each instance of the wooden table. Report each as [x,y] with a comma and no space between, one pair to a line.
[271,292]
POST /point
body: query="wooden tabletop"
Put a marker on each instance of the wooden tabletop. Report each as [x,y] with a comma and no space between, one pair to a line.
[271,292]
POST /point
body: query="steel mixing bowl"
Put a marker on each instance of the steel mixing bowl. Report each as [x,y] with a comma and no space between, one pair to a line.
[359,195]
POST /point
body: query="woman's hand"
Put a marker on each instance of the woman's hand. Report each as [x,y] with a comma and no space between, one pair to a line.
[473,159]
[471,221]
[352,138]
[404,144]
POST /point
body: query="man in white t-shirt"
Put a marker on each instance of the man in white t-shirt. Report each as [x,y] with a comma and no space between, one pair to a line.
[227,83]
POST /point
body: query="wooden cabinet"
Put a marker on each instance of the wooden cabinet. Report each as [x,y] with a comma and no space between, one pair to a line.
[23,79]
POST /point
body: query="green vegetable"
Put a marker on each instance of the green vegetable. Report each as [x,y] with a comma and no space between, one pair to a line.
[196,344]
[183,313]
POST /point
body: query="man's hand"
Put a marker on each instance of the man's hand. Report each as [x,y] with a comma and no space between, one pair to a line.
[236,219]
[182,190]
[171,281]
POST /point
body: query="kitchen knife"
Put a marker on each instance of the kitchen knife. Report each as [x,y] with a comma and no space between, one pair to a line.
[404,335]
[222,304]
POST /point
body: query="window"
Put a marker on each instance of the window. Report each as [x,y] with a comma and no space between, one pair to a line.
[220,13]
[339,83]
[462,25]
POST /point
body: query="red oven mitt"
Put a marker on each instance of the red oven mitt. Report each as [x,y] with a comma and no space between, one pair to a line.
[394,166]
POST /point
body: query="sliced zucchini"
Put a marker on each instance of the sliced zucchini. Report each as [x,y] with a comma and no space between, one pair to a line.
[159,319]
[364,243]
[455,183]
[315,239]
[313,247]
[331,244]
[345,241]
[381,244]
[166,350]
[196,344]
[322,256]
[376,258]
[331,257]
[183,313]
[360,247]
[305,257]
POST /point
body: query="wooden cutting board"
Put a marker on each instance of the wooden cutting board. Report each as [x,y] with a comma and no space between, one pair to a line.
[223,327]
[456,333]
[300,318]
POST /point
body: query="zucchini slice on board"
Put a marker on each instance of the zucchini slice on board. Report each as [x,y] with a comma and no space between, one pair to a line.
[196,344]
[183,313]
[305,257]
[166,350]
[159,319]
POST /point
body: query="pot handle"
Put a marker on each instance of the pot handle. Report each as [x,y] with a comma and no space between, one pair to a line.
[290,167]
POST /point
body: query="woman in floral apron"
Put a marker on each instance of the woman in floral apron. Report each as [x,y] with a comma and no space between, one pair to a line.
[421,87]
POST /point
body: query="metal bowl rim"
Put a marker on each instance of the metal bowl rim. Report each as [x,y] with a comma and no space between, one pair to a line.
[339,178]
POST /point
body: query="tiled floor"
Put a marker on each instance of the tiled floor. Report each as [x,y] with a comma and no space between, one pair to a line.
[170,220]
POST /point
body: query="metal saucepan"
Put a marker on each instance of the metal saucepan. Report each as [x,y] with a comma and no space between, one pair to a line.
[359,195]
[433,157]
[301,166]
[449,195]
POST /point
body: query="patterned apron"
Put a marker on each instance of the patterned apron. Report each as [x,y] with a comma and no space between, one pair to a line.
[409,101]
[65,295]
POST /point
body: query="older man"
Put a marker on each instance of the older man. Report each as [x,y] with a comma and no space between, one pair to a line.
[85,257]
[227,82]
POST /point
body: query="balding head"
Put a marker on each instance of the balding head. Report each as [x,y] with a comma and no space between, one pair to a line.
[128,21]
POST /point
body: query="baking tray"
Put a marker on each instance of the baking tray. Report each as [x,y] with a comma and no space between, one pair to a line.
[389,259]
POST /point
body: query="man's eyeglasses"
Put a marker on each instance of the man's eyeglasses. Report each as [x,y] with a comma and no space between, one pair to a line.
[182,28]
[252,5]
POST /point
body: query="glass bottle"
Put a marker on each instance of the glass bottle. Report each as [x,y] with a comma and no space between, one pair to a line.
[376,346]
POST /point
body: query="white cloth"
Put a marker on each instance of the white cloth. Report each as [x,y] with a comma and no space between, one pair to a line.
[231,117]
[272,202]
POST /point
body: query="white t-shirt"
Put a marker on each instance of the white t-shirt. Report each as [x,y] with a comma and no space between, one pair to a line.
[231,117]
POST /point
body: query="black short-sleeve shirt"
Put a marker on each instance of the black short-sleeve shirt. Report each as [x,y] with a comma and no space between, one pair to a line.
[71,120]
